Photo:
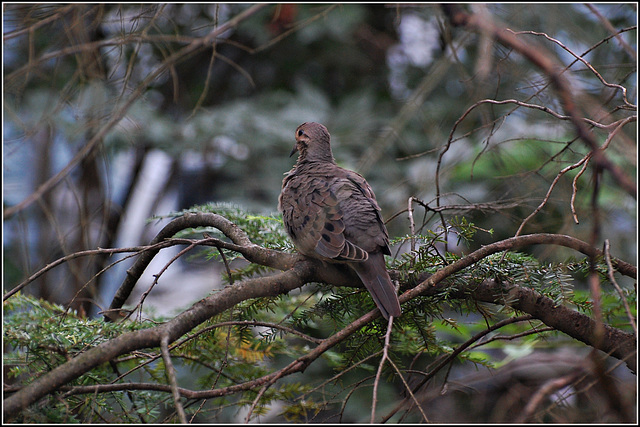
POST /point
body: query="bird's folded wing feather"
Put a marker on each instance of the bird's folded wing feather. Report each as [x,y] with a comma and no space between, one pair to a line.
[314,219]
[364,226]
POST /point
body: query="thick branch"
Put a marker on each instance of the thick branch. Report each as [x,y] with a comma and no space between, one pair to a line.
[241,244]
[579,326]
[617,343]
[306,270]
[181,324]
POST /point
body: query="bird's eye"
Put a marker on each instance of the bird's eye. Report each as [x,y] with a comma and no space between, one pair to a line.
[300,132]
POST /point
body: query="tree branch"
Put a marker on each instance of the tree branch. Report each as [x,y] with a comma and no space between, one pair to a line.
[171,378]
[458,17]
[304,270]
[120,111]
[581,327]
[241,244]
[148,338]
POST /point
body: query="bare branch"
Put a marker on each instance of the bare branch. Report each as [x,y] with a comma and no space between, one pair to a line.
[121,110]
[458,17]
[586,64]
[171,378]
[99,251]
[607,257]
[613,31]
[241,243]
[156,277]
[385,357]
[548,388]
[582,161]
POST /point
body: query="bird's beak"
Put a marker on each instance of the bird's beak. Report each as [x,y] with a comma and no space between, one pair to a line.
[295,149]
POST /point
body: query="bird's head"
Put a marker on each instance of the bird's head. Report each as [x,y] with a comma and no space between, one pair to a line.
[313,143]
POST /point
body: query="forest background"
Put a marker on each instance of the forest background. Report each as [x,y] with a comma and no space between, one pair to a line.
[476,125]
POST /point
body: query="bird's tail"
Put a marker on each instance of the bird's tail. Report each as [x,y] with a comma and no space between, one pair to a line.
[376,279]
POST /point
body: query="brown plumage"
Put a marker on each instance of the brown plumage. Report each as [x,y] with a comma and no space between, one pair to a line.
[331,214]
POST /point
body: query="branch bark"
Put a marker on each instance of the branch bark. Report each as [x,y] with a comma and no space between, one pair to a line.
[298,271]
[149,338]
[241,244]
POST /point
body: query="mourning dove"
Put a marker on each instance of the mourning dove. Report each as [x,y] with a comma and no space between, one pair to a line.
[331,214]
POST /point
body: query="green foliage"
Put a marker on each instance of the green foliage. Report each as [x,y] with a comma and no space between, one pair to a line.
[214,355]
[208,356]
[233,104]
[41,336]
[45,335]
[264,230]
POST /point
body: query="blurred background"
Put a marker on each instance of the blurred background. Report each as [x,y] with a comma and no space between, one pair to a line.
[115,114]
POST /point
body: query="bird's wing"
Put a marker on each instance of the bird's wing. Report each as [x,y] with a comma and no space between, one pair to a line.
[314,219]
[363,222]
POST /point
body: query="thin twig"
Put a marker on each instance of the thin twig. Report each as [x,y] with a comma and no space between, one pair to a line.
[412,225]
[615,33]
[536,331]
[584,62]
[574,189]
[264,388]
[339,374]
[551,187]
[443,361]
[98,251]
[547,388]
[171,378]
[607,257]
[408,389]
[156,278]
[385,356]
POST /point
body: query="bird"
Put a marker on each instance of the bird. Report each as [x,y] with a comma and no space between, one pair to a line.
[331,214]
